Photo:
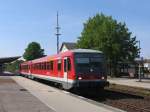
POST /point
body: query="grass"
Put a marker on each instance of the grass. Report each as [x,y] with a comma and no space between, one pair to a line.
[130,90]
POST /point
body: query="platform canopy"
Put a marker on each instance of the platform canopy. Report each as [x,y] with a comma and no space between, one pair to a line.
[8,59]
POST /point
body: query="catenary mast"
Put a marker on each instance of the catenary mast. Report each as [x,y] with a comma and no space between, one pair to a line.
[57,33]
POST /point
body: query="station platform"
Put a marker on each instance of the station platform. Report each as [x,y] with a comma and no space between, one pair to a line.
[144,83]
[20,94]
[59,100]
[14,98]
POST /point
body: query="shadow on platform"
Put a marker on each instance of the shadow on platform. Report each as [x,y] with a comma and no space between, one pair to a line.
[7,74]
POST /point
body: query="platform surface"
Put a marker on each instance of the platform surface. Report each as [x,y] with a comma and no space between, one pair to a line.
[145,83]
[59,100]
[14,98]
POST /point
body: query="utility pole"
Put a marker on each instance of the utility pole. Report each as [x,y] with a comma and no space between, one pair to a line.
[57,33]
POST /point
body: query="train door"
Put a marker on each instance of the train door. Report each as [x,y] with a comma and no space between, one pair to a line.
[65,72]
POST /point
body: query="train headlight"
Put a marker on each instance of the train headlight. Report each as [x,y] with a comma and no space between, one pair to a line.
[80,78]
[103,78]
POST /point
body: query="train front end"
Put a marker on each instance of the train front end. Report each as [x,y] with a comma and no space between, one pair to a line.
[90,69]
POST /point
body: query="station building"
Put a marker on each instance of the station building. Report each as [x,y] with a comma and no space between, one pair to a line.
[5,60]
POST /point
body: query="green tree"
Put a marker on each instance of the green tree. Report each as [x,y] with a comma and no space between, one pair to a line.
[113,38]
[33,51]
[13,67]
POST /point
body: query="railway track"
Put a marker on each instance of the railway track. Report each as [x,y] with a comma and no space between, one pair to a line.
[129,107]
[123,101]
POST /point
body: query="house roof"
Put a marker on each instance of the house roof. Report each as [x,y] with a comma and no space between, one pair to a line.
[69,45]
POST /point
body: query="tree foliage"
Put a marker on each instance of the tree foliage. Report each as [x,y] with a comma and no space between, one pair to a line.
[33,51]
[113,38]
[13,67]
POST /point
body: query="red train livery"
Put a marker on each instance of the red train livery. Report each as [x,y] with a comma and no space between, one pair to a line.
[75,68]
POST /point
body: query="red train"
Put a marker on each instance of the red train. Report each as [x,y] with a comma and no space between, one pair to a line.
[75,68]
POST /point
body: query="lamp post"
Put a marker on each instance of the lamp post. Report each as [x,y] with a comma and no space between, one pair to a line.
[140,62]
[139,48]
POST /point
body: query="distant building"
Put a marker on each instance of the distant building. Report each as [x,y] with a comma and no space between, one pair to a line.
[147,64]
[4,60]
[67,46]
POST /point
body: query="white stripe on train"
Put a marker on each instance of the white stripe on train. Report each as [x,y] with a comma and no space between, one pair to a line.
[49,77]
[58,79]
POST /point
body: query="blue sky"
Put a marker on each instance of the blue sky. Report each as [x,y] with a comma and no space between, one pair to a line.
[24,21]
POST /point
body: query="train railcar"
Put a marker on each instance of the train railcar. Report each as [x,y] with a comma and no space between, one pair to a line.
[75,68]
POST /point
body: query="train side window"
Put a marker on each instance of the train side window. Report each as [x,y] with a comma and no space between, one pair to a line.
[48,65]
[36,66]
[40,66]
[65,65]
[68,64]
[51,65]
[59,65]
[44,65]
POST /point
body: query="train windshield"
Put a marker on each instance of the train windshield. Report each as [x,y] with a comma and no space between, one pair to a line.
[90,64]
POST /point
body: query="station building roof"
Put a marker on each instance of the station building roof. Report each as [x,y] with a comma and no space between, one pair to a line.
[8,59]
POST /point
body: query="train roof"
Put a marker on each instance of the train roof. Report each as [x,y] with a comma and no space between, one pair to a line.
[85,51]
[47,58]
